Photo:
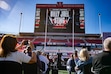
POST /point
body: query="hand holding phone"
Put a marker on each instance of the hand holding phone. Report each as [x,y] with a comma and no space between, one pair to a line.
[26,42]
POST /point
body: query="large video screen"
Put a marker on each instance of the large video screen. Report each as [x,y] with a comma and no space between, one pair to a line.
[59,20]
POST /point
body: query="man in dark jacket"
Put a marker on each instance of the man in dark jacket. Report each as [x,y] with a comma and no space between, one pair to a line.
[102,59]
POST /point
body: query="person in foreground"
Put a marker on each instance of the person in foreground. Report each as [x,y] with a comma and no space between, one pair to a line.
[102,59]
[84,59]
[71,64]
[9,51]
[44,61]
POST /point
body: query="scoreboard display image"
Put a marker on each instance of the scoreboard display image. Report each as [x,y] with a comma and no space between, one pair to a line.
[60,18]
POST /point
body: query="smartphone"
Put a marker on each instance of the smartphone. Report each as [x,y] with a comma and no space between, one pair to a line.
[26,42]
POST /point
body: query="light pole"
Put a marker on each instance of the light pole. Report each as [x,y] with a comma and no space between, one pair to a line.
[100,27]
[20,22]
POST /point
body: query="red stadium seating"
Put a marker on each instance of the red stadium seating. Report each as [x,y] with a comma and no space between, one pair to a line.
[39,40]
[94,41]
[58,40]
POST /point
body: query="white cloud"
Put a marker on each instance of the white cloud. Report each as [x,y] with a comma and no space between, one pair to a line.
[4,5]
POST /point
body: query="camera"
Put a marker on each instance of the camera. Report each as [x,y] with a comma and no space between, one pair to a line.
[26,42]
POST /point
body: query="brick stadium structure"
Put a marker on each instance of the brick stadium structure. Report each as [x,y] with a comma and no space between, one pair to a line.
[61,26]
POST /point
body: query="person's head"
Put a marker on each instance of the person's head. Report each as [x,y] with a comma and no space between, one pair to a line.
[107,44]
[84,54]
[72,56]
[75,53]
[8,44]
[39,53]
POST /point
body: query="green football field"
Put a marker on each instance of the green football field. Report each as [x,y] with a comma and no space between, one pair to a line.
[62,72]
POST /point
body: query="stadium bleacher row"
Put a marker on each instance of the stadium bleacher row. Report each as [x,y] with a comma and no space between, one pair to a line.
[76,41]
[67,41]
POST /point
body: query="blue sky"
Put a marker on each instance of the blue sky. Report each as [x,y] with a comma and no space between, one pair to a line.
[10,13]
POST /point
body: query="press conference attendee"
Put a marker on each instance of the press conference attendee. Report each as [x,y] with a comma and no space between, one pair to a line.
[84,59]
[48,62]
[71,64]
[76,58]
[43,59]
[9,51]
[102,59]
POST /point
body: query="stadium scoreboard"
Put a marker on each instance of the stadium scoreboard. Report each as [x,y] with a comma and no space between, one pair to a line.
[60,18]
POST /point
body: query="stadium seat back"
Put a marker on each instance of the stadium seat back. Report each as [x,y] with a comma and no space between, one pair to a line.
[10,67]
